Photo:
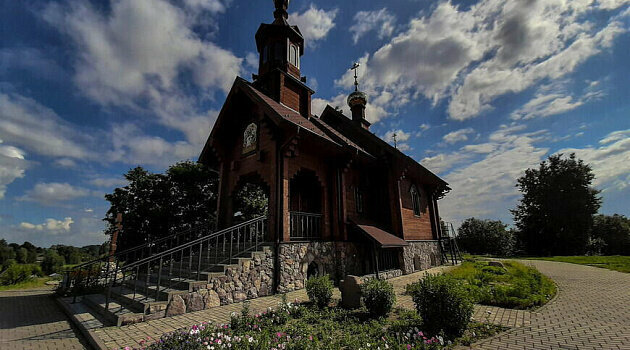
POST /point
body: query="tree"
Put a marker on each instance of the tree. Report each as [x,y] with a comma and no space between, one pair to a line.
[22,255]
[555,214]
[158,205]
[52,262]
[6,252]
[251,201]
[614,231]
[477,236]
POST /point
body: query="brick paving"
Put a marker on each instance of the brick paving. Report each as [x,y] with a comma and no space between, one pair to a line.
[118,337]
[30,319]
[591,311]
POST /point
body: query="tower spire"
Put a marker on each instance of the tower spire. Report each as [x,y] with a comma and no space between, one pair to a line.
[356,66]
[281,14]
[358,101]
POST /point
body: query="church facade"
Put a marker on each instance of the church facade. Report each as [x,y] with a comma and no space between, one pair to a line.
[340,200]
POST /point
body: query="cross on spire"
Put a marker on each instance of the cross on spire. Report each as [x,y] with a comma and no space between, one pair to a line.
[356,66]
[395,141]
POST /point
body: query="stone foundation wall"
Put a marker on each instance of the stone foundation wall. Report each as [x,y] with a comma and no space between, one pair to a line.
[421,255]
[336,259]
[249,279]
[384,274]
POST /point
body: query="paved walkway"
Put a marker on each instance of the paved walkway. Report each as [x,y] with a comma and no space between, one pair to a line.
[131,335]
[30,319]
[591,311]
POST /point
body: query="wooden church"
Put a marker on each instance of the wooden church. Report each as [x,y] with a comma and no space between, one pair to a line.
[340,200]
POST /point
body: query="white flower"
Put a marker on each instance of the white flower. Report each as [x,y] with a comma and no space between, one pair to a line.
[250,339]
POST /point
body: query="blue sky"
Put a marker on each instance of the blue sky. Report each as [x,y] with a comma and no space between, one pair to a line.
[477,91]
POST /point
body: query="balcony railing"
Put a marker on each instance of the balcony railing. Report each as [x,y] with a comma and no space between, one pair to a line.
[305,226]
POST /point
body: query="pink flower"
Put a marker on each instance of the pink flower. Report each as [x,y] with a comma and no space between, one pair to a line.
[408,346]
[310,337]
[278,334]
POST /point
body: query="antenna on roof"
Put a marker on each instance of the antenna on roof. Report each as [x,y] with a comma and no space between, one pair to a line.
[356,66]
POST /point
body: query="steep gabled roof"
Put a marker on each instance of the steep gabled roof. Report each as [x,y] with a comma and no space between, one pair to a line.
[278,112]
[373,144]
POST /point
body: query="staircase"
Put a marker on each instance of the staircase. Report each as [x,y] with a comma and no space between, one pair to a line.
[448,245]
[148,281]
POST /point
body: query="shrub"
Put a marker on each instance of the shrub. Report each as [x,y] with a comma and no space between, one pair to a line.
[319,290]
[19,273]
[378,297]
[443,304]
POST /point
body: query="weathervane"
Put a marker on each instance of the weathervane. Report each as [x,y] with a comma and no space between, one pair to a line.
[356,66]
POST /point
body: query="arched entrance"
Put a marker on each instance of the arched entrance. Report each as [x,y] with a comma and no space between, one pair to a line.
[305,206]
[250,198]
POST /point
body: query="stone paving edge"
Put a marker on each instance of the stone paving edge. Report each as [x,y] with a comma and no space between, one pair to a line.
[93,339]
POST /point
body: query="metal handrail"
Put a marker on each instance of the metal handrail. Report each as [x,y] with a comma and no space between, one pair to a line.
[73,277]
[187,260]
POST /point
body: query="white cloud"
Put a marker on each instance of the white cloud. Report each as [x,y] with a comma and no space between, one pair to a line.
[469,56]
[314,23]
[12,166]
[366,21]
[132,146]
[401,137]
[51,226]
[457,135]
[214,6]
[483,182]
[28,124]
[53,193]
[125,60]
[610,160]
[553,99]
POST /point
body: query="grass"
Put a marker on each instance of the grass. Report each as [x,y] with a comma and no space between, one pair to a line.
[614,262]
[31,283]
[516,286]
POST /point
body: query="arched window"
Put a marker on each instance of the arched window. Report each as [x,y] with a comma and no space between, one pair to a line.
[294,57]
[415,200]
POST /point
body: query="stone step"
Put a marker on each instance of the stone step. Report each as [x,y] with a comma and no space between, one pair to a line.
[115,313]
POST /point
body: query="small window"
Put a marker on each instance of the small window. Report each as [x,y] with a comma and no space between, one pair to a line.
[415,200]
[358,198]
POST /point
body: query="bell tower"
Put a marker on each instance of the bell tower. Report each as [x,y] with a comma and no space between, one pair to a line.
[280,47]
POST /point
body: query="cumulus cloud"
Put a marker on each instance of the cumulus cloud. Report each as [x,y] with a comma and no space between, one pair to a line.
[458,135]
[125,60]
[51,226]
[28,124]
[12,166]
[469,56]
[314,23]
[400,136]
[483,183]
[366,21]
[610,160]
[53,193]
[551,101]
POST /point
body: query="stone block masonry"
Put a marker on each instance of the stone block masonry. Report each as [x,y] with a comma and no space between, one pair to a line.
[253,277]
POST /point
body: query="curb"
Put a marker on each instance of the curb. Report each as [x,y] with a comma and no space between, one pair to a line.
[94,341]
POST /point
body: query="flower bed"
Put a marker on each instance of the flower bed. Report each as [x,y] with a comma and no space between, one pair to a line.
[302,326]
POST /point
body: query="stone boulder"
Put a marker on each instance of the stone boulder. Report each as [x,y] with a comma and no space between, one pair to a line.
[351,292]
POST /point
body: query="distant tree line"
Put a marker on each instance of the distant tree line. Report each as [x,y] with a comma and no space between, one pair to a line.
[50,260]
[557,215]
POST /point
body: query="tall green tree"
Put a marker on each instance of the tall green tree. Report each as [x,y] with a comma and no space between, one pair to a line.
[477,236]
[614,231]
[157,205]
[555,214]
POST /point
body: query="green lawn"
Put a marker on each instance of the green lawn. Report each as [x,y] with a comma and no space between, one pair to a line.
[614,262]
[28,284]
[515,286]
